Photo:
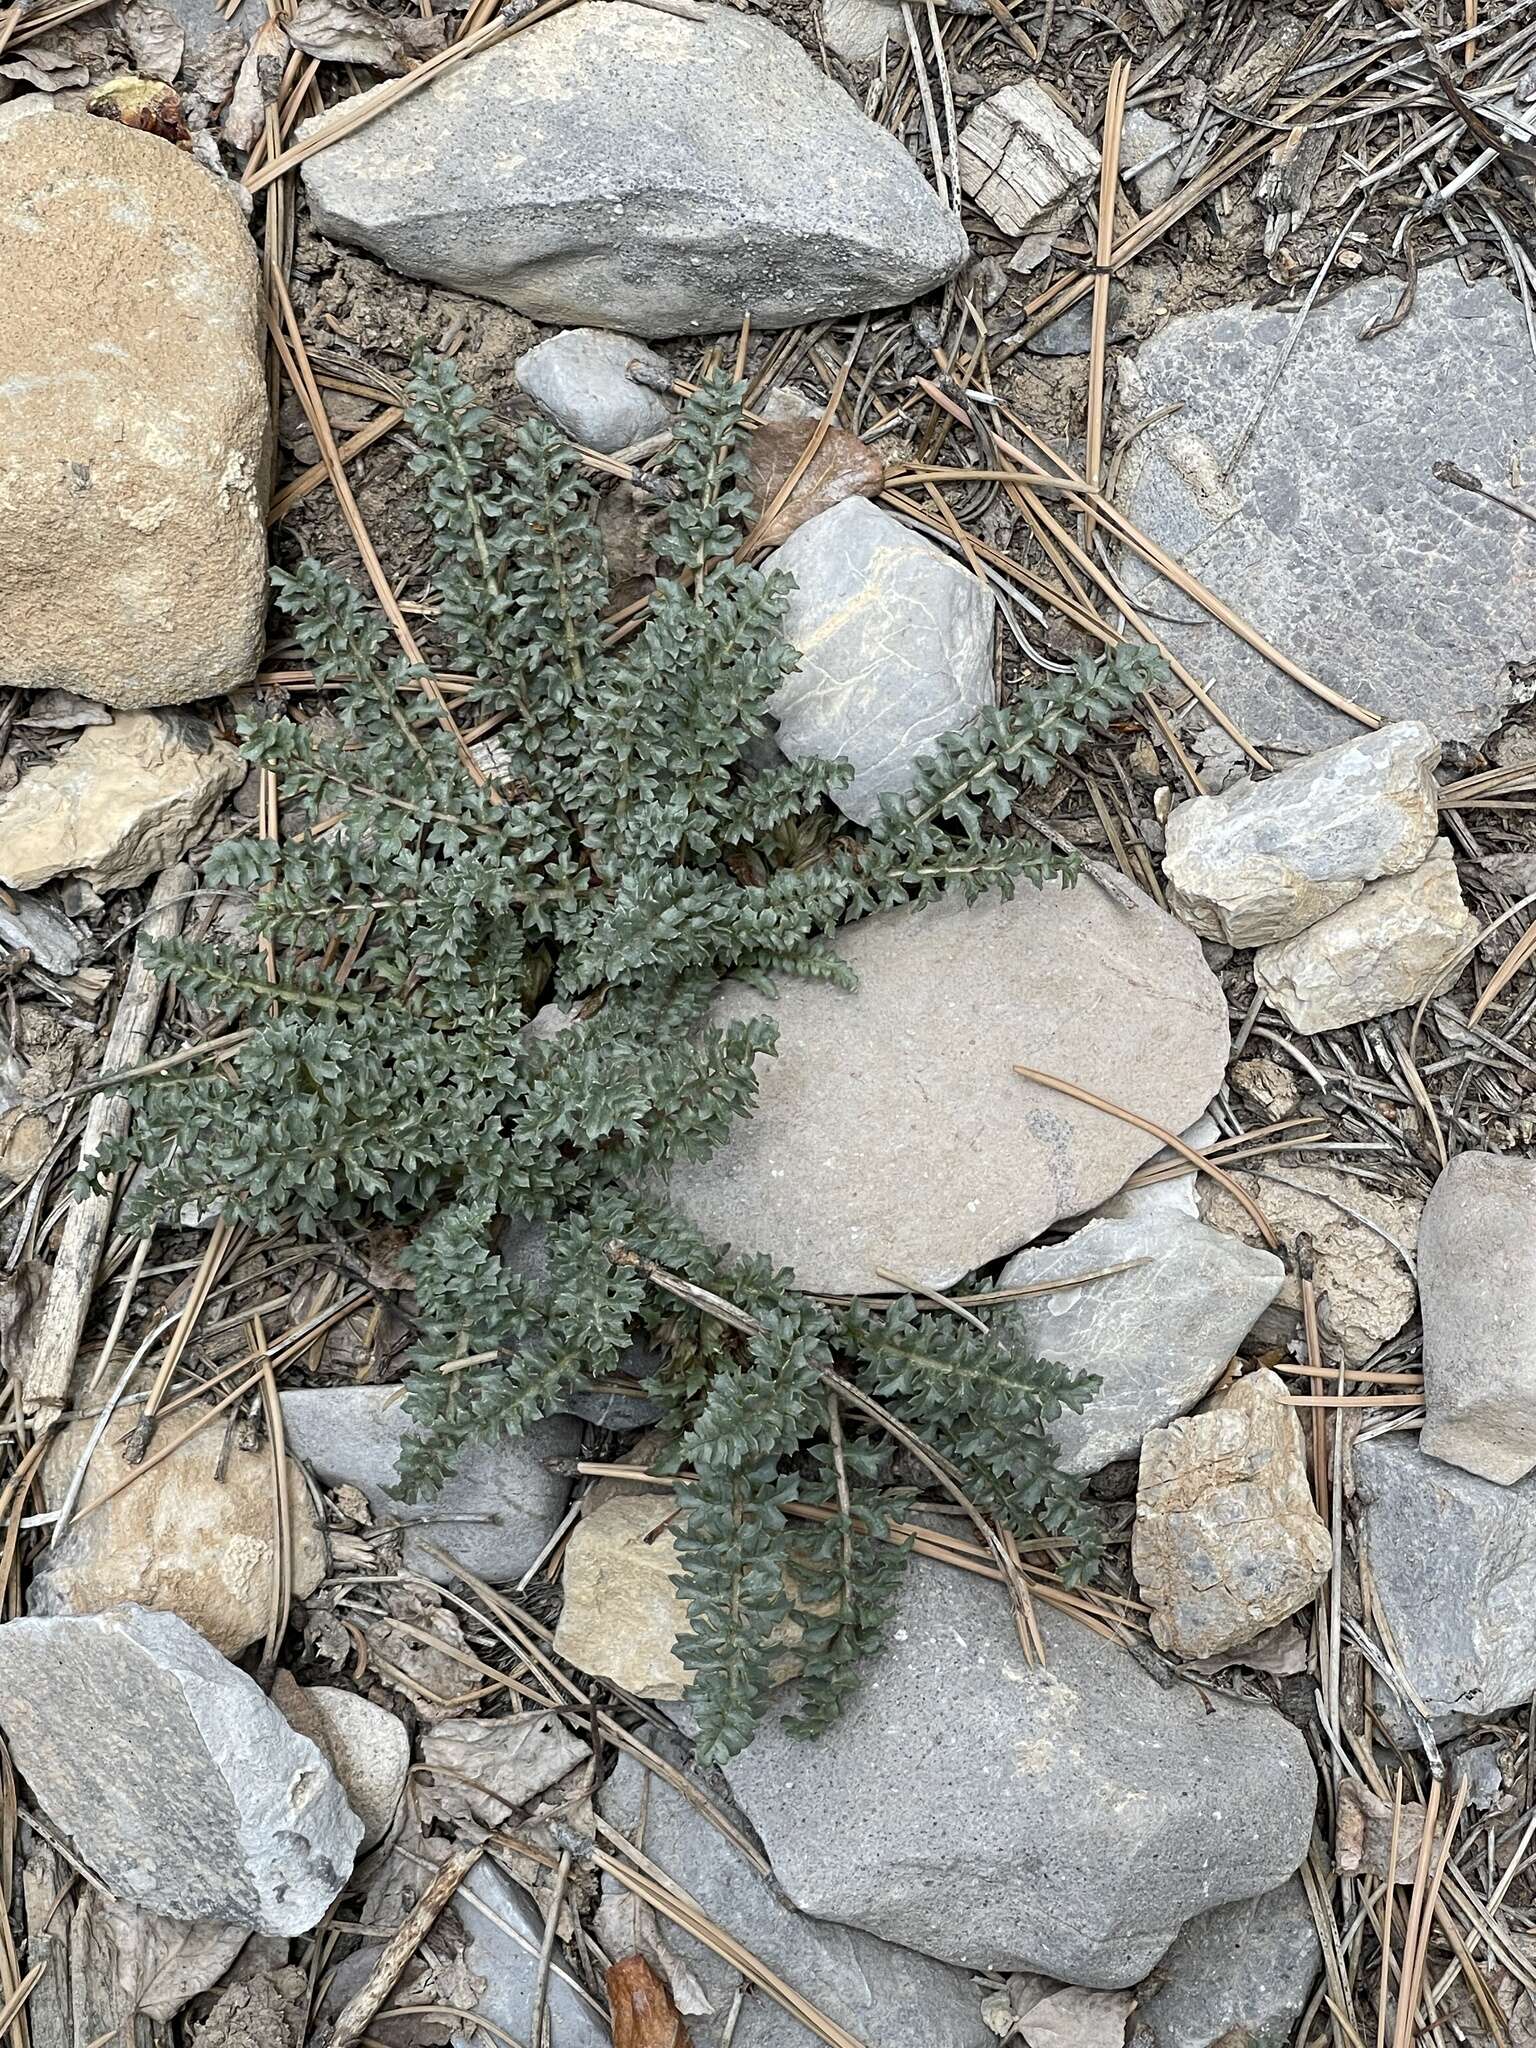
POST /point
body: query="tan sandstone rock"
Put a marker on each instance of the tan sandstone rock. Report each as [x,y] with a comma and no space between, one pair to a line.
[122,802]
[622,1616]
[133,419]
[1227,1539]
[179,1538]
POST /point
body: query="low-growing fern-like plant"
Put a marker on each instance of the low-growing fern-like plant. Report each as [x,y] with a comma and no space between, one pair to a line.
[625,854]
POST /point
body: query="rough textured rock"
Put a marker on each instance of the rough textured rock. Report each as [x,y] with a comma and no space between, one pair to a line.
[891,1129]
[1264,860]
[1241,1975]
[886,1997]
[895,643]
[581,379]
[858,30]
[621,1616]
[191,1535]
[365,1745]
[493,1516]
[1113,1809]
[1477,1294]
[1143,143]
[133,464]
[1021,156]
[1400,939]
[176,1778]
[630,169]
[1227,1540]
[116,805]
[1415,603]
[1363,1241]
[1453,1558]
[1158,1336]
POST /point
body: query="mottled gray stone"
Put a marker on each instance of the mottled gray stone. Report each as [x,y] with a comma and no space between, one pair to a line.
[1264,860]
[1158,1336]
[886,1997]
[895,643]
[1149,157]
[1332,535]
[617,166]
[890,1128]
[1066,1817]
[581,379]
[1453,1558]
[1227,1541]
[1477,1295]
[858,30]
[175,1777]
[35,927]
[493,1516]
[1241,1975]
[507,1957]
[1401,939]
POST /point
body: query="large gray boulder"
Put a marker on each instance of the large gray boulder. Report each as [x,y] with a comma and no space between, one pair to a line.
[493,1516]
[895,644]
[616,166]
[1413,600]
[1241,1975]
[1453,1558]
[177,1780]
[886,1997]
[891,1129]
[1477,1294]
[1159,1334]
[1066,1817]
[1263,860]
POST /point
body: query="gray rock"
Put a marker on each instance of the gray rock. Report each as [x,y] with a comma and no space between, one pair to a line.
[178,1781]
[1066,1817]
[1149,157]
[581,379]
[1453,1558]
[505,1932]
[891,1130]
[35,927]
[1477,1294]
[493,1516]
[1227,1542]
[1400,939]
[858,30]
[1158,1336]
[621,167]
[1071,333]
[1264,860]
[1413,601]
[364,1744]
[1242,1974]
[895,643]
[886,1997]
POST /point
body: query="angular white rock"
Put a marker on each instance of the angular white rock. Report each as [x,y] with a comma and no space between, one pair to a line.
[581,379]
[173,1774]
[620,166]
[895,643]
[1401,939]
[1158,1336]
[1264,860]
[1020,156]
[891,1130]
[1477,1294]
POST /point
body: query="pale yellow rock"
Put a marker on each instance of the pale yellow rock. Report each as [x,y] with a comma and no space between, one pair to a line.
[622,1617]
[179,1538]
[119,804]
[134,425]
[1227,1540]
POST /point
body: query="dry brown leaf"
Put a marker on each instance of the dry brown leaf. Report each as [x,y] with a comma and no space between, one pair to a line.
[156,39]
[643,2013]
[161,1964]
[350,32]
[842,467]
[51,63]
[256,87]
[626,1925]
[143,103]
[485,1770]
[1363,1838]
